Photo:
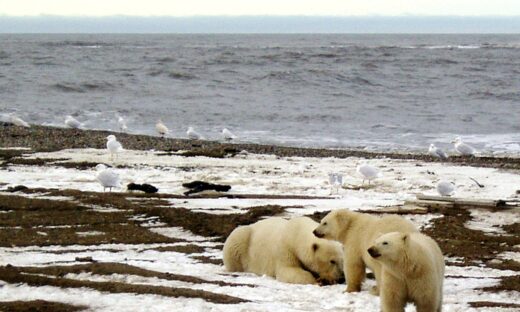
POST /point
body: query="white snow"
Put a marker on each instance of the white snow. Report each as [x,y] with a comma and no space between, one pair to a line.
[90,233]
[489,222]
[266,174]
[250,174]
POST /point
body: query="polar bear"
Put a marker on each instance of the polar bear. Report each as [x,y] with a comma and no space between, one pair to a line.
[356,231]
[412,270]
[284,249]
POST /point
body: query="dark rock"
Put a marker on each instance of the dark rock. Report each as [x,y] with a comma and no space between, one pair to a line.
[200,186]
[147,188]
[18,188]
[85,259]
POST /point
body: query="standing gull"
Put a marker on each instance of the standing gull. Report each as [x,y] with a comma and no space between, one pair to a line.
[445,188]
[463,148]
[113,146]
[107,177]
[122,124]
[18,121]
[228,135]
[72,122]
[161,128]
[368,172]
[335,181]
[193,135]
[437,152]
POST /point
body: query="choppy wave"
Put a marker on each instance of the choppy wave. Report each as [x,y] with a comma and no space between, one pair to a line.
[392,91]
[81,87]
[76,43]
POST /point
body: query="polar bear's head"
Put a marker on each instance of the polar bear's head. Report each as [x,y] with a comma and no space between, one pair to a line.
[389,247]
[327,261]
[334,224]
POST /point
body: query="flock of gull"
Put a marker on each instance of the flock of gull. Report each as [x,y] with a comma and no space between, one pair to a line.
[443,187]
[110,179]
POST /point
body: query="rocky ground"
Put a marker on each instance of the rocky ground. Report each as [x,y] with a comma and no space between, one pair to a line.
[70,250]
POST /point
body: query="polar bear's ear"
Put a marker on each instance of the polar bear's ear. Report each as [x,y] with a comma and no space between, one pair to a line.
[315,247]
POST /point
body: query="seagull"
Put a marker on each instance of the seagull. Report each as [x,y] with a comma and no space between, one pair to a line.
[336,181]
[463,148]
[113,146]
[445,188]
[437,152]
[17,121]
[161,128]
[193,135]
[368,172]
[122,124]
[107,177]
[72,122]
[228,135]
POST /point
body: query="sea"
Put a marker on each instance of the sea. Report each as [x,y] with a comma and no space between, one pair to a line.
[382,92]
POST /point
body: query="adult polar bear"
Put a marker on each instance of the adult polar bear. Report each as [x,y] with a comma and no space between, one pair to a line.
[356,231]
[412,271]
[284,249]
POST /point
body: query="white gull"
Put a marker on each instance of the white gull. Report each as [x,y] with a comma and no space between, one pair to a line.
[161,128]
[72,122]
[368,172]
[437,152]
[107,177]
[122,124]
[193,135]
[463,148]
[228,135]
[445,188]
[113,146]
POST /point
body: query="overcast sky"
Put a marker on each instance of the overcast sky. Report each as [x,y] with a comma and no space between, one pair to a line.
[260,7]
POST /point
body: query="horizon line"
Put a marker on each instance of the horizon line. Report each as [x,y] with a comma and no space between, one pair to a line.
[265,15]
[261,24]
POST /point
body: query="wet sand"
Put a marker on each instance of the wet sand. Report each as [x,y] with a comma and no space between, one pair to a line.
[47,139]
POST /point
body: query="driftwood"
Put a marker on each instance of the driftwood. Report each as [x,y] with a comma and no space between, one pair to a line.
[400,210]
[457,201]
[440,203]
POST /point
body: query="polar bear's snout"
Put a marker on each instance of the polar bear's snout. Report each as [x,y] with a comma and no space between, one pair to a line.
[318,233]
[373,252]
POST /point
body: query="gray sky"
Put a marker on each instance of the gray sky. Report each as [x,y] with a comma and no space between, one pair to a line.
[260,7]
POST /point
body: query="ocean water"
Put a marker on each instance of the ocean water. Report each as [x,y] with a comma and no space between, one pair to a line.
[379,92]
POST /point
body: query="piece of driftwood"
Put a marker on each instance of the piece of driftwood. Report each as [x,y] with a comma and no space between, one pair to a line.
[400,210]
[446,202]
[430,203]
[233,196]
[457,201]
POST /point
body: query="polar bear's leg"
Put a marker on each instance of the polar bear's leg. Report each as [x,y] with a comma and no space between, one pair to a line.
[294,275]
[428,303]
[355,273]
[376,268]
[427,307]
[393,294]
[236,249]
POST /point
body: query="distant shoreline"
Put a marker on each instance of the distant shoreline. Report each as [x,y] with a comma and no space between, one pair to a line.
[46,138]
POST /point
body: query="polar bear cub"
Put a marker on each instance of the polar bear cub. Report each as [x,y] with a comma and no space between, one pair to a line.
[356,231]
[284,249]
[412,270]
